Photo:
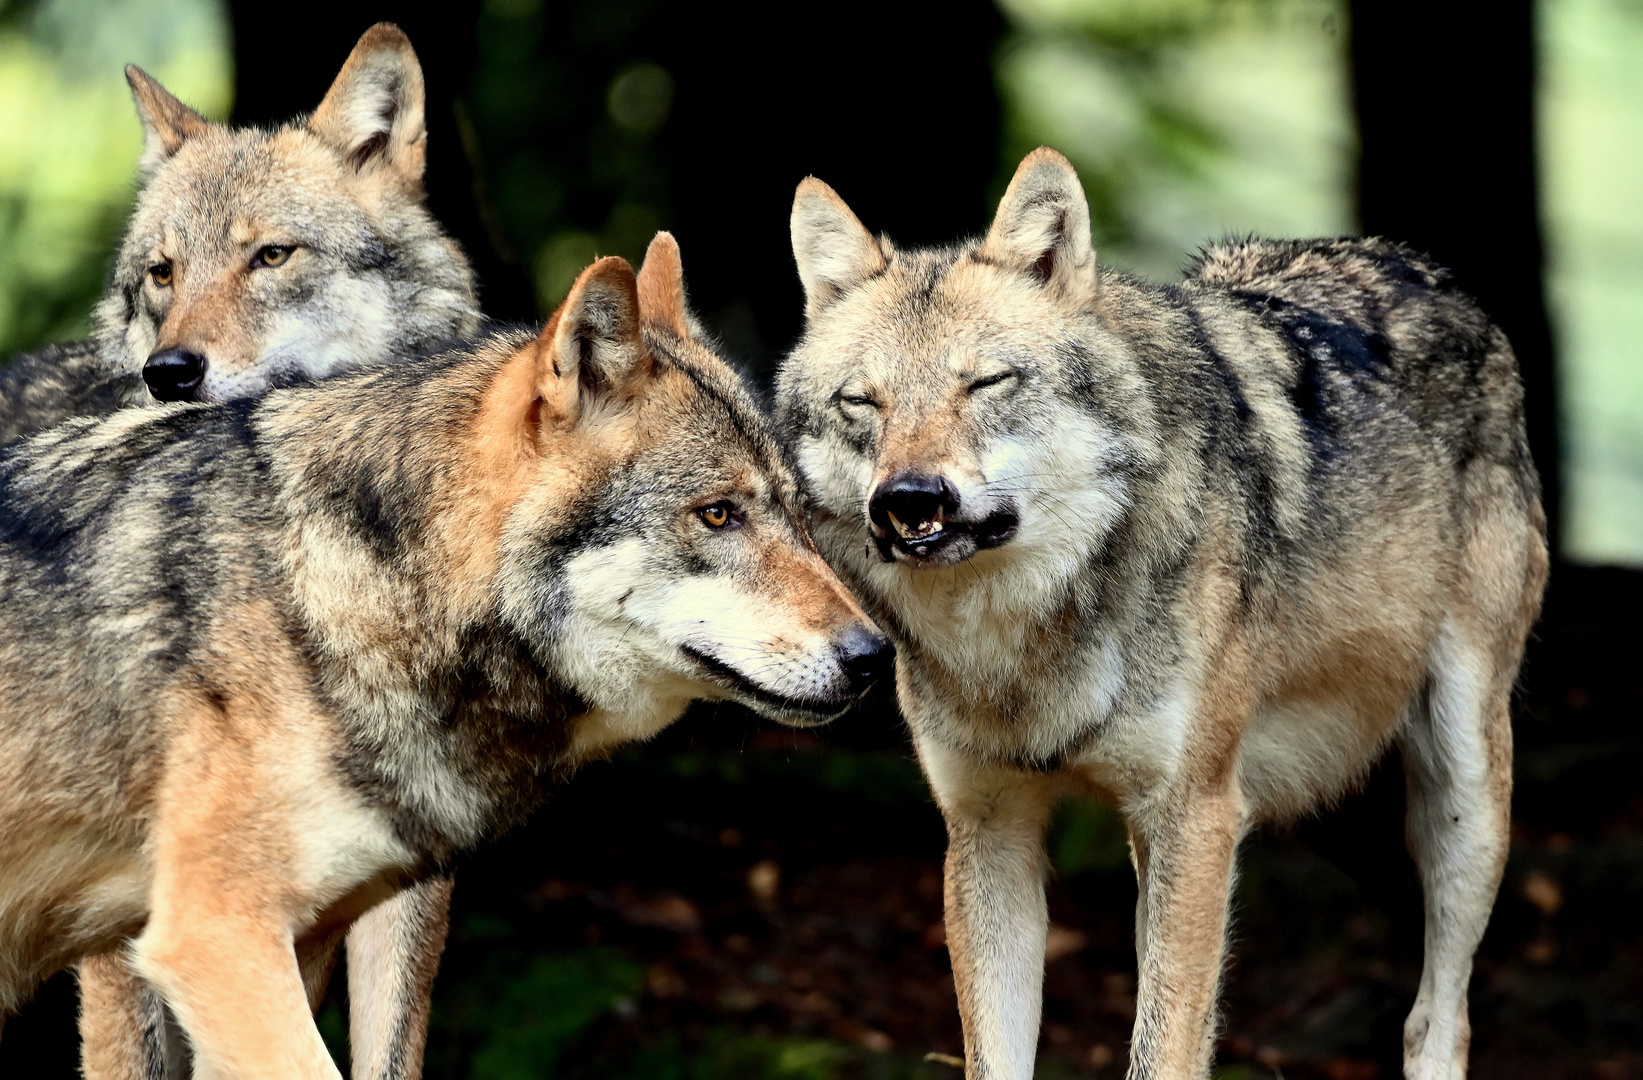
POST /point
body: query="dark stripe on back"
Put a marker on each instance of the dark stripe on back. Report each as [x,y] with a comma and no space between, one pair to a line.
[1343,378]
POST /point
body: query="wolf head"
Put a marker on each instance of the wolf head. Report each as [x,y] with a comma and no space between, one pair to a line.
[966,403]
[604,498]
[683,569]
[256,258]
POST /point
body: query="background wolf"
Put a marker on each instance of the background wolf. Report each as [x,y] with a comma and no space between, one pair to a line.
[373,619]
[1203,550]
[254,258]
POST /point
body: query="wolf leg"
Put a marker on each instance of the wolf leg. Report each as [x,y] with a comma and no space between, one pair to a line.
[995,911]
[1457,754]
[317,960]
[1138,860]
[125,1030]
[1185,864]
[393,952]
[230,974]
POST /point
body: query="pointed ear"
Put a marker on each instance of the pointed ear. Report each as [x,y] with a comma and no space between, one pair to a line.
[1043,226]
[373,113]
[662,287]
[590,350]
[834,251]
[166,121]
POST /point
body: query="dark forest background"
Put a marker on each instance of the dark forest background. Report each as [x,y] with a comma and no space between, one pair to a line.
[738,900]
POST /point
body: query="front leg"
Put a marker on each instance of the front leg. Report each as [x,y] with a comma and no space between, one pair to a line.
[1184,861]
[232,853]
[125,1032]
[995,912]
[229,971]
[393,952]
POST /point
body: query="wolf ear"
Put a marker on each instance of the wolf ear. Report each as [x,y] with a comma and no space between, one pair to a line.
[834,251]
[373,113]
[166,121]
[590,348]
[662,287]
[1043,226]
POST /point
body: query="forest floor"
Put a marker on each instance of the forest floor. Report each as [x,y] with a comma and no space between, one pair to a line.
[738,900]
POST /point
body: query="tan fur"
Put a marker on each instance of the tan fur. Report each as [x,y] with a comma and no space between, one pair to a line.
[166,121]
[662,287]
[118,1033]
[389,999]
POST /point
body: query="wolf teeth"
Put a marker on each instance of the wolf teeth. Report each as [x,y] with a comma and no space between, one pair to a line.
[922,531]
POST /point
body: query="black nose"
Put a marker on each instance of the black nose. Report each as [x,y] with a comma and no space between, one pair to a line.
[915,499]
[174,374]
[865,655]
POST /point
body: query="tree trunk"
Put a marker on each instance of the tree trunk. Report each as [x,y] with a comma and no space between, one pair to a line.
[1446,112]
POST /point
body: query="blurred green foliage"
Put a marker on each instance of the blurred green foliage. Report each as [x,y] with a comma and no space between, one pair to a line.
[729,1056]
[525,1018]
[560,124]
[1187,119]
[1087,837]
[1591,102]
[70,140]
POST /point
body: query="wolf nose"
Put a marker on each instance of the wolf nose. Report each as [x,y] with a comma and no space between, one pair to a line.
[174,374]
[865,656]
[911,501]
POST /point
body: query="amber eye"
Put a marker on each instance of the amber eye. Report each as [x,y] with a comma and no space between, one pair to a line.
[272,255]
[719,515]
[160,273]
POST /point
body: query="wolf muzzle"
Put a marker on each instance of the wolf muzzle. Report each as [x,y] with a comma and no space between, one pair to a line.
[921,519]
[175,374]
[864,656]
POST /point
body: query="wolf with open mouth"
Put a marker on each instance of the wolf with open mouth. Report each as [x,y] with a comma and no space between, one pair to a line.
[1204,551]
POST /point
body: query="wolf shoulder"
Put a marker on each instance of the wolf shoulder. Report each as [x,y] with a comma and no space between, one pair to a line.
[1340,354]
[1400,312]
[113,506]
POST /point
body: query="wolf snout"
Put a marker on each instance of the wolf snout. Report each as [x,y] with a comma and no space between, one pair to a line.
[922,519]
[865,656]
[913,506]
[174,374]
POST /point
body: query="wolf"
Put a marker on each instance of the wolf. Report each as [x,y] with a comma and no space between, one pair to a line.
[1204,551]
[273,660]
[257,258]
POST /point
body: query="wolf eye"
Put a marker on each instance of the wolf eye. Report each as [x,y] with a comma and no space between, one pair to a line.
[160,274]
[994,379]
[720,515]
[859,401]
[272,255]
